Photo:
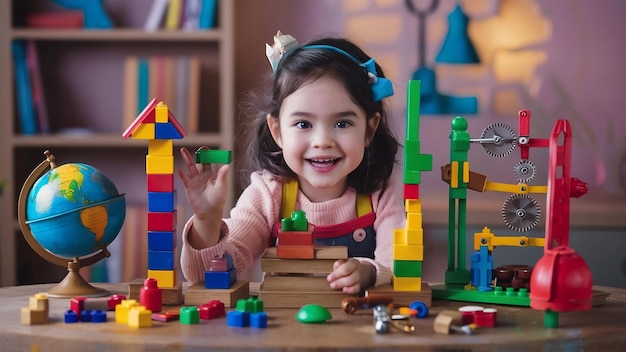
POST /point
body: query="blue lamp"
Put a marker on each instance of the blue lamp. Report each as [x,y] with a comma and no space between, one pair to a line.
[457,49]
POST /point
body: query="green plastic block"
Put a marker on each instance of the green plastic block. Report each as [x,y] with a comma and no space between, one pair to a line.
[189,315]
[461,277]
[418,162]
[412,147]
[300,222]
[497,296]
[413,110]
[412,177]
[206,156]
[251,304]
[407,268]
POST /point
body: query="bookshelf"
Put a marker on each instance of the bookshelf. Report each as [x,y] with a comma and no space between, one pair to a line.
[83,81]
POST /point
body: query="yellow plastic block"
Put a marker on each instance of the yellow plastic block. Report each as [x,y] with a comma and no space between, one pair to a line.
[140,317]
[144,131]
[399,236]
[159,164]
[161,147]
[408,252]
[123,309]
[38,301]
[414,236]
[413,205]
[407,283]
[165,278]
[160,113]
[33,317]
[414,221]
[454,174]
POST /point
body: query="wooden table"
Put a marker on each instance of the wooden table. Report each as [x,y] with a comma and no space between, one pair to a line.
[602,328]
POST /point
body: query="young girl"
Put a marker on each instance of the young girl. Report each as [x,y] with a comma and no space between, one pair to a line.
[323,137]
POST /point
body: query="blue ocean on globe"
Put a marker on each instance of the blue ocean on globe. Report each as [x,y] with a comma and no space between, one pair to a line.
[74,210]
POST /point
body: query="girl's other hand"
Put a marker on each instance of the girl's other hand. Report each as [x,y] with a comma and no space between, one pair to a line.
[350,275]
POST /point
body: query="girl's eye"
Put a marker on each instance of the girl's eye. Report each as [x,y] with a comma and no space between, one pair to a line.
[343,124]
[303,124]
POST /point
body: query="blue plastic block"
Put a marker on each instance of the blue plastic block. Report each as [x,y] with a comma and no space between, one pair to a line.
[85,316]
[258,320]
[161,240]
[98,316]
[220,279]
[161,260]
[71,316]
[162,201]
[166,131]
[238,319]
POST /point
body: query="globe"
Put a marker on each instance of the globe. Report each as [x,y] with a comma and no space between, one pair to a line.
[69,214]
[74,210]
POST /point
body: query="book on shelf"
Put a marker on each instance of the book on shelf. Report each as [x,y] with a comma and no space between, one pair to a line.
[23,89]
[173,80]
[188,15]
[38,96]
[156,15]
[208,14]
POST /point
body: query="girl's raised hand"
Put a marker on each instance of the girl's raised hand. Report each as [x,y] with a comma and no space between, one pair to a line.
[206,186]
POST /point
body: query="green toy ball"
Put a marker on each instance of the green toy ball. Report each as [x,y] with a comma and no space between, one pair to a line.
[313,314]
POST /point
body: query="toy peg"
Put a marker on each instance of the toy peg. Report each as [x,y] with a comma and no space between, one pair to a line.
[351,304]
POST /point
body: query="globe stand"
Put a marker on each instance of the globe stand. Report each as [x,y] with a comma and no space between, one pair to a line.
[73,285]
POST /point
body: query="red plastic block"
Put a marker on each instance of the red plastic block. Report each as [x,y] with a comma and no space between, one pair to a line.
[77,304]
[411,191]
[295,238]
[165,221]
[150,295]
[161,183]
[115,300]
[166,316]
[295,252]
[211,310]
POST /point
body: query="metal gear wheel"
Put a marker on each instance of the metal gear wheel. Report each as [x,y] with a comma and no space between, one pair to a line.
[525,171]
[521,212]
[498,139]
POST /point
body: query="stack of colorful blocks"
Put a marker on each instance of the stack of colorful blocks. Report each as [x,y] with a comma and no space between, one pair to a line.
[408,247]
[157,125]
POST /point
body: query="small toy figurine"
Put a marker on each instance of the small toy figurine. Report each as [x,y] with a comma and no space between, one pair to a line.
[381,319]
[283,43]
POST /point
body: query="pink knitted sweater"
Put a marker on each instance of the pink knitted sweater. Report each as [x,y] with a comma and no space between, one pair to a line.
[245,234]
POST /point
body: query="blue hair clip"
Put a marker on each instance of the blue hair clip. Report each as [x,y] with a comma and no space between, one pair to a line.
[381,87]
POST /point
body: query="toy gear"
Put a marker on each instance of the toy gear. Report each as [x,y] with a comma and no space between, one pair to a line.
[498,139]
[525,171]
[521,212]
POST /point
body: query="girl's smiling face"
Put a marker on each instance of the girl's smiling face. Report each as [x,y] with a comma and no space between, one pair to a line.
[323,134]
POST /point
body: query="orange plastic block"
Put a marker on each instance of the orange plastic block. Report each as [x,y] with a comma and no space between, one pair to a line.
[295,238]
[295,252]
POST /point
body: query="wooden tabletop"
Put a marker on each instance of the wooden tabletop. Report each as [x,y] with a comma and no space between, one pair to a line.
[518,328]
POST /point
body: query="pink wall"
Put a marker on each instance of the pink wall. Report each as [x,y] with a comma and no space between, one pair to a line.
[581,79]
